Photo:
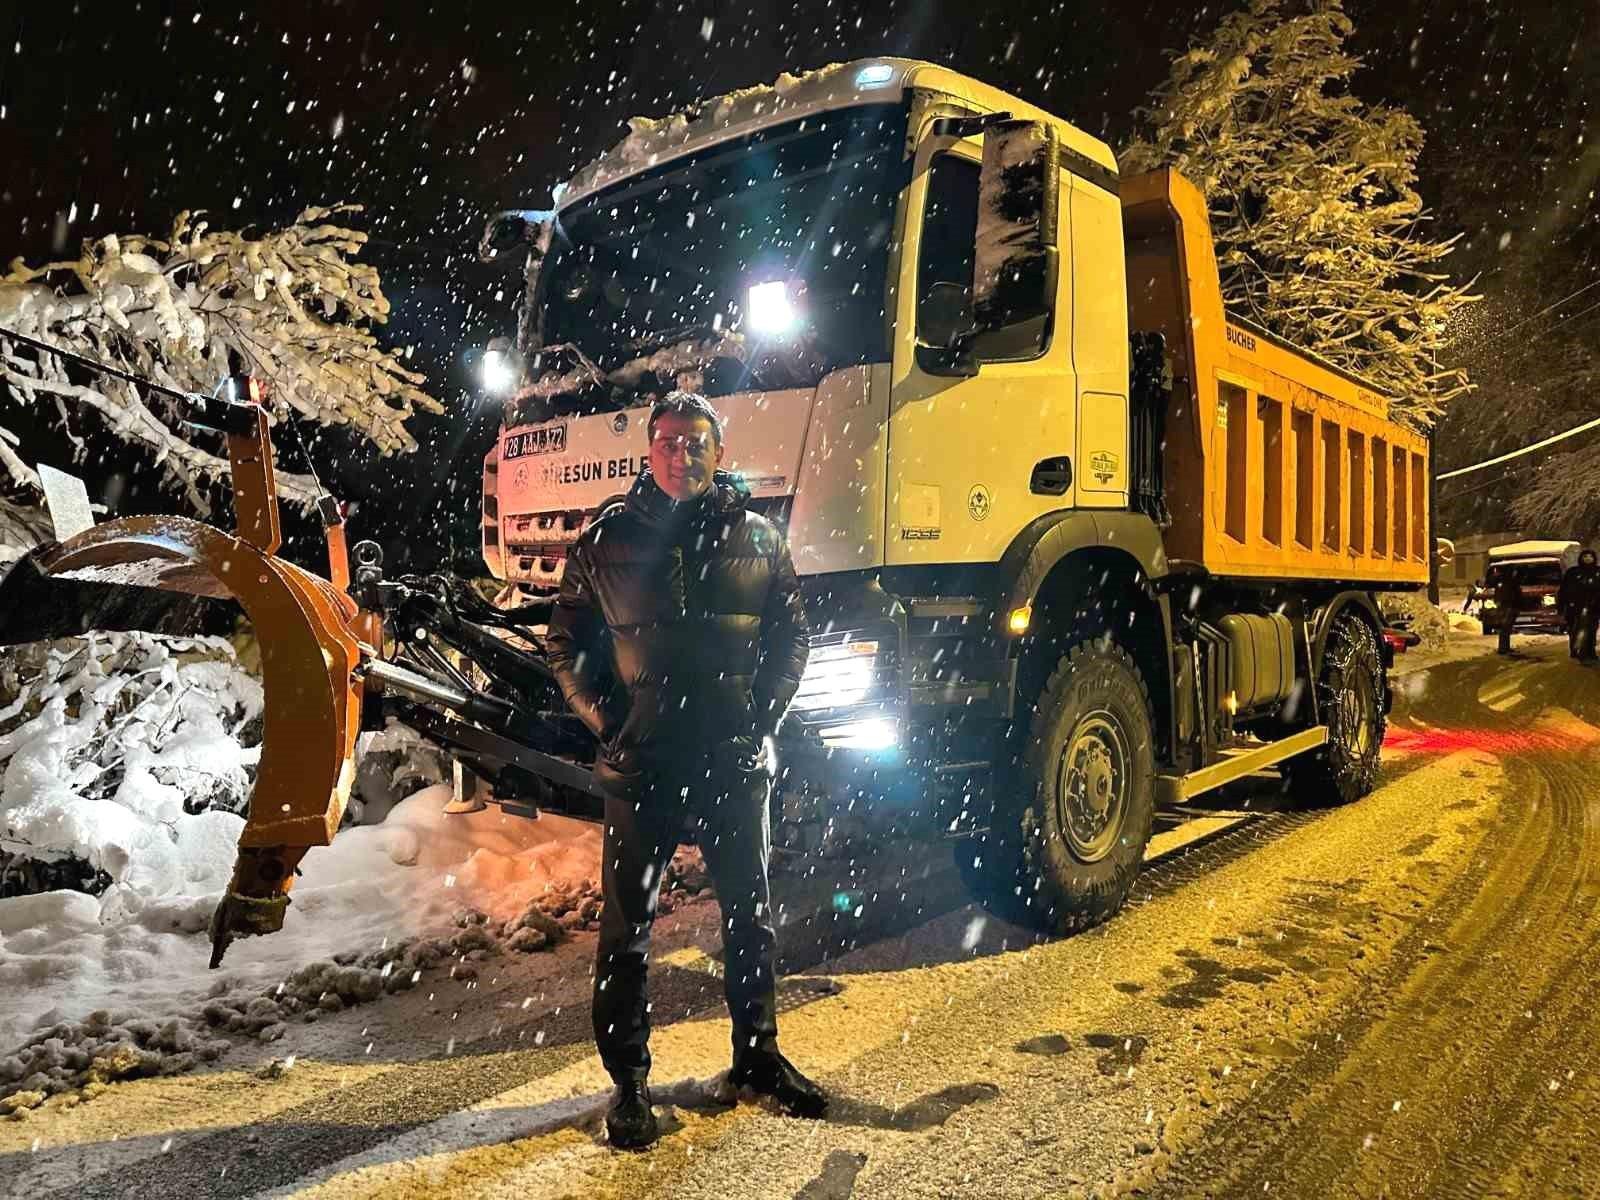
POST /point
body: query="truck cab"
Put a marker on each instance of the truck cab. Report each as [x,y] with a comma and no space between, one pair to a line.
[805,257]
[990,390]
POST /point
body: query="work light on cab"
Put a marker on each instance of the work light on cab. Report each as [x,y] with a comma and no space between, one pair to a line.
[498,369]
[769,310]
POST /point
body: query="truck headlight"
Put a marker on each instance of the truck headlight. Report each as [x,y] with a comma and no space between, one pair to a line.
[838,676]
[871,733]
[1548,601]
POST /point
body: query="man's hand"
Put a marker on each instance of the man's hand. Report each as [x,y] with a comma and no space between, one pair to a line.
[623,759]
[748,753]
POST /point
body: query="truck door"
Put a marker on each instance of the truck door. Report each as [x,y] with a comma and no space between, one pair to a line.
[971,460]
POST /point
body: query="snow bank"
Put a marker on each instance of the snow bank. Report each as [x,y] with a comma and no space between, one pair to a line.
[107,740]
[1428,621]
[65,954]
[108,744]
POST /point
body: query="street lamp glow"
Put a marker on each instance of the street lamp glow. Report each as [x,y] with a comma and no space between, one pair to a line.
[769,310]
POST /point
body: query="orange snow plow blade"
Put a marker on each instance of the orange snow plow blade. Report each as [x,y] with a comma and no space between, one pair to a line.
[309,662]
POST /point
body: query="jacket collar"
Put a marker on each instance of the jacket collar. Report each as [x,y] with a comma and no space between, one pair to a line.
[728,493]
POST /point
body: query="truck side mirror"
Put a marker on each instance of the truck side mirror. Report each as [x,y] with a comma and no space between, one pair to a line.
[1015,267]
[945,318]
[507,230]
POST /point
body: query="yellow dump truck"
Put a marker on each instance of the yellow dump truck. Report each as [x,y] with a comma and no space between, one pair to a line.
[1075,539]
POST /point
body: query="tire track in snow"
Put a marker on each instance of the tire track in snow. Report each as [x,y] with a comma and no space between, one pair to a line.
[1437,1080]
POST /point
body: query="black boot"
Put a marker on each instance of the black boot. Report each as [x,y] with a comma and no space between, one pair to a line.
[771,1074]
[630,1122]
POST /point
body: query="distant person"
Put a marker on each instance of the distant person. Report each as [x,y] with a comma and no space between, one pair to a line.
[1507,595]
[1579,601]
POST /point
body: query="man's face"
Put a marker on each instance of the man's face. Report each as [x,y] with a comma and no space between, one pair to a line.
[683,454]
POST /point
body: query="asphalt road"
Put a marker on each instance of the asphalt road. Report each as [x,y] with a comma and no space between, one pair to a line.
[1389,999]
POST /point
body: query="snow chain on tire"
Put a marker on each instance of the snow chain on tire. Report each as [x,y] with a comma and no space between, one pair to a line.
[1350,691]
[1070,826]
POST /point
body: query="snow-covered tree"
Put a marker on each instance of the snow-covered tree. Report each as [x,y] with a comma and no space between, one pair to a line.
[1561,497]
[1320,232]
[292,304]
[1540,375]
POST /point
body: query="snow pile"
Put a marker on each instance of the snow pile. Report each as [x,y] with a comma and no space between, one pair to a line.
[107,739]
[1427,621]
[392,764]
[103,1048]
[202,1017]
[381,905]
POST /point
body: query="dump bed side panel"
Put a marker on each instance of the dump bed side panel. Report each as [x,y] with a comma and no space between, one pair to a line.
[1278,466]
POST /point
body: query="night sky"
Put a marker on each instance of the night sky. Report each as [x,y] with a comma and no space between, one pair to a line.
[115,117]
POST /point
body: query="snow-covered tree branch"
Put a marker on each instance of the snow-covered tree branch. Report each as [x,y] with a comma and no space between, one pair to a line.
[1321,235]
[292,304]
[1561,497]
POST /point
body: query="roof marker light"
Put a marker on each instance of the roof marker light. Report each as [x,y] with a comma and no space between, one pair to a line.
[874,75]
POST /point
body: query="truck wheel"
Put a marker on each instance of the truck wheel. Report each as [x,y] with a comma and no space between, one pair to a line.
[1067,841]
[1350,697]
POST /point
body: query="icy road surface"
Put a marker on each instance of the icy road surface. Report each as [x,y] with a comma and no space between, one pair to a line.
[1390,999]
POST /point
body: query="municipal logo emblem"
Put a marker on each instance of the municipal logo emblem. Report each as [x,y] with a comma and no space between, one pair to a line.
[978,502]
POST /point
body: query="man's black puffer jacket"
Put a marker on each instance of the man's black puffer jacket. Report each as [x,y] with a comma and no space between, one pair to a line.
[1580,588]
[708,638]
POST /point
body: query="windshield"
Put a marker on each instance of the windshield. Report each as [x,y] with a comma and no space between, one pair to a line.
[652,279]
[1527,574]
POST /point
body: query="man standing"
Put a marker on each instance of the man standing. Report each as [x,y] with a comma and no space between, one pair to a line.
[689,602]
[1507,595]
[1579,601]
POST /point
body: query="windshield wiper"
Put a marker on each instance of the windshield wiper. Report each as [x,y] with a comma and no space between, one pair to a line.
[658,339]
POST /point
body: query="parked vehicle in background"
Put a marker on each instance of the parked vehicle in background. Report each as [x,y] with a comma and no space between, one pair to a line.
[1537,568]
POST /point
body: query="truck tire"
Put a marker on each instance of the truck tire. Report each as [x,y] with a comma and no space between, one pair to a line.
[1071,824]
[1350,697]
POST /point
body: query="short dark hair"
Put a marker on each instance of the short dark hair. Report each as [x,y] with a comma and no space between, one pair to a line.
[688,404]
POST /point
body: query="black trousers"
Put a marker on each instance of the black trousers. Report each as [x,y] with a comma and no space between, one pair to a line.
[728,811]
[1581,622]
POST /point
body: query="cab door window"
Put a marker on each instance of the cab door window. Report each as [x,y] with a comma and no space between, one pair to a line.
[949,239]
